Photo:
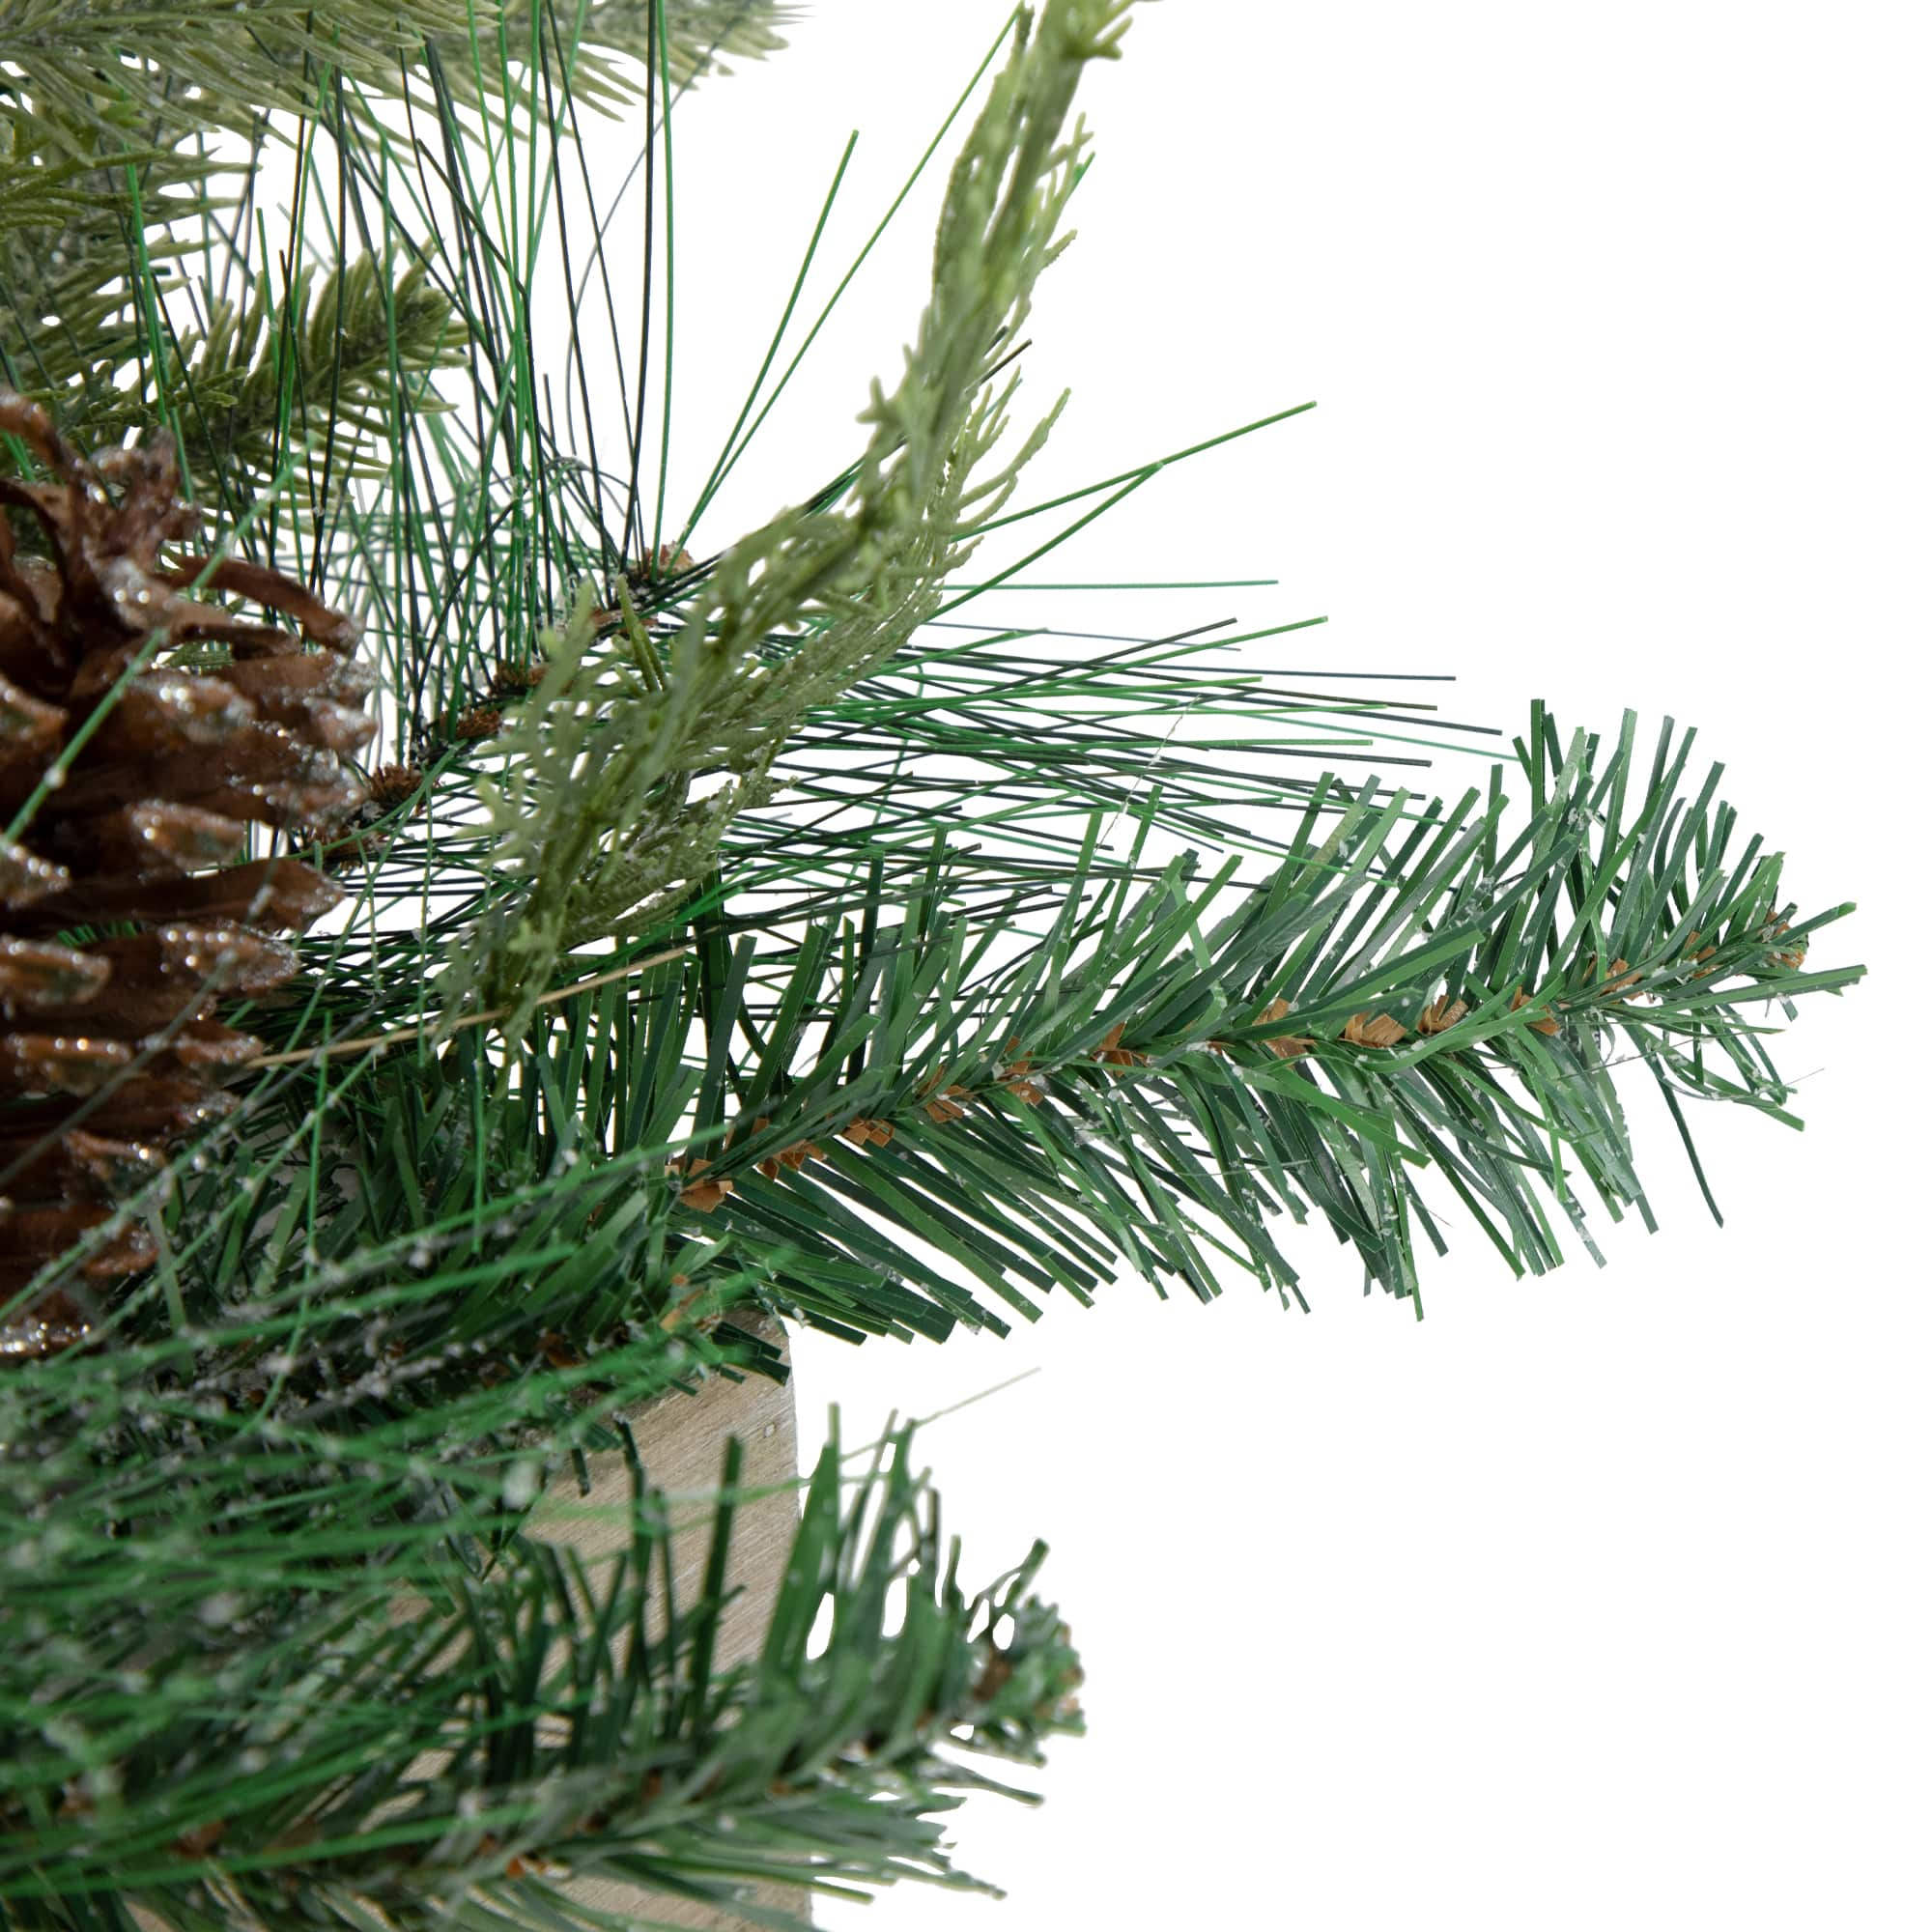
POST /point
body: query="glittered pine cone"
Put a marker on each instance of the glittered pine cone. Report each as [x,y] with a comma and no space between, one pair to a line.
[129,781]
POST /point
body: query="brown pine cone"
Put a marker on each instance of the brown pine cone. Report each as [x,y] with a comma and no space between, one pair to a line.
[123,926]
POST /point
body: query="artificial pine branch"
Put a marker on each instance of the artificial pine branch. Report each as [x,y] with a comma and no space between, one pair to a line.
[275,1756]
[695,39]
[110,172]
[204,64]
[200,64]
[1454,999]
[596,815]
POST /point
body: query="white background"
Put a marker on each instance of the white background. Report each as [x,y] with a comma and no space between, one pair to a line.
[1594,1601]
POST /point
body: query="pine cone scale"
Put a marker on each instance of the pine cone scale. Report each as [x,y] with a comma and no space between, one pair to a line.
[320,624]
[154,979]
[29,726]
[268,776]
[86,1166]
[32,1062]
[148,1108]
[47,975]
[279,892]
[150,840]
[26,876]
[36,1234]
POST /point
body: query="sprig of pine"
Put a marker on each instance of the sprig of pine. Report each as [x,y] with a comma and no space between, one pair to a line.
[596,815]
[311,1756]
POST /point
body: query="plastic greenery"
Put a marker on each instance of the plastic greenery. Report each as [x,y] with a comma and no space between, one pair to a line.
[114,167]
[746,935]
[597,818]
